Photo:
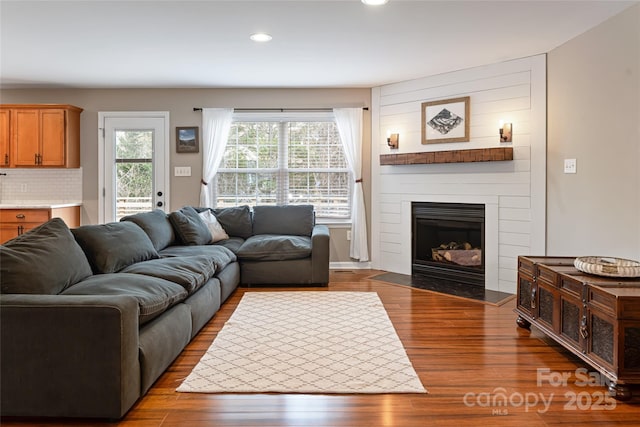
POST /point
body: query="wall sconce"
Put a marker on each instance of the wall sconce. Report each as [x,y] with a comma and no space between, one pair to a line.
[393,140]
[506,132]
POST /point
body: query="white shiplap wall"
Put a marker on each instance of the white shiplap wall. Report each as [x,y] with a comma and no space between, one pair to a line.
[513,192]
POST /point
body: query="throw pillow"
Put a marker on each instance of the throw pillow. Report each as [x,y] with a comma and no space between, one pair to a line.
[236,220]
[113,246]
[45,260]
[157,226]
[217,232]
[189,227]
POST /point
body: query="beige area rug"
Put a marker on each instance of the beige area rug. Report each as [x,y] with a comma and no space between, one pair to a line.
[306,342]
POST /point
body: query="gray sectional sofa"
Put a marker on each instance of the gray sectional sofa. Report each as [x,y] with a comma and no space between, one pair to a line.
[91,317]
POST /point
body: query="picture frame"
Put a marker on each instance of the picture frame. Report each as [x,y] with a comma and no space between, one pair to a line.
[187,139]
[446,120]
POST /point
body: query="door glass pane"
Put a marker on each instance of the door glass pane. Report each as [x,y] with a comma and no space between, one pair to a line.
[134,144]
[134,172]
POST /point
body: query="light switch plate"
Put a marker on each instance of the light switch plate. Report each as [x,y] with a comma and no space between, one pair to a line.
[182,171]
[570,166]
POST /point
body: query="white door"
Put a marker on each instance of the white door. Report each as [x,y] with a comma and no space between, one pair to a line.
[134,163]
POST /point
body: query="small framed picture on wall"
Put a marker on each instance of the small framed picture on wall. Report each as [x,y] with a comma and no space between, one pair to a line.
[187,140]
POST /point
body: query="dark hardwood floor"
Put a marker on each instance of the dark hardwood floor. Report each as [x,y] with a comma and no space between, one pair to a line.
[470,356]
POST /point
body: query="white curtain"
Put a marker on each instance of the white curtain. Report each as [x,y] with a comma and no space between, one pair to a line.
[216,123]
[349,121]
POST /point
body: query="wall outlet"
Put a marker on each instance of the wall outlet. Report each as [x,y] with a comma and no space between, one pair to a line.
[348,234]
[182,171]
[570,166]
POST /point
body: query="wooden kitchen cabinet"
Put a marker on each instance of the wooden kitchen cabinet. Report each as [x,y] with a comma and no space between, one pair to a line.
[596,318]
[14,222]
[5,137]
[42,135]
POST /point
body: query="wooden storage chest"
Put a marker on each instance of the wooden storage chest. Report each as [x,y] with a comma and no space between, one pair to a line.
[596,318]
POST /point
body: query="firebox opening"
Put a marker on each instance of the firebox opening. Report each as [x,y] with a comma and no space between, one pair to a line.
[448,241]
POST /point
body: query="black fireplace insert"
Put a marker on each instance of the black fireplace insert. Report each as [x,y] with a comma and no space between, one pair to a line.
[448,241]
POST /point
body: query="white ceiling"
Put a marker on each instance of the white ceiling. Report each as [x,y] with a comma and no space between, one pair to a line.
[319,44]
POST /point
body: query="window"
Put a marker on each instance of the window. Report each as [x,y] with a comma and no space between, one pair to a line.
[295,161]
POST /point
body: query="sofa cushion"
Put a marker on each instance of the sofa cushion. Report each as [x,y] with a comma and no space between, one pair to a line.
[154,295]
[157,226]
[216,254]
[232,243]
[189,227]
[216,230]
[190,272]
[269,247]
[113,246]
[45,260]
[296,220]
[236,221]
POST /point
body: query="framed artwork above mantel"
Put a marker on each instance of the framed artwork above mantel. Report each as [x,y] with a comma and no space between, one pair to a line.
[446,120]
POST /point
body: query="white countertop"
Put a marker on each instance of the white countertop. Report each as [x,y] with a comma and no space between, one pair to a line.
[38,204]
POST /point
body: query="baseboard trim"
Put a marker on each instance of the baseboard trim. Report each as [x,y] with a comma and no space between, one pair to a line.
[352,265]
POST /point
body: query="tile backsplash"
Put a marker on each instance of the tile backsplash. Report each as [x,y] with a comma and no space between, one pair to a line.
[41,184]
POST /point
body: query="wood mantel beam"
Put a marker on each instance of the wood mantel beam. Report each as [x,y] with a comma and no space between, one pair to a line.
[497,154]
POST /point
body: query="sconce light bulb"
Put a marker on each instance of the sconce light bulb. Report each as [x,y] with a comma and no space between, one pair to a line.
[506,132]
[392,140]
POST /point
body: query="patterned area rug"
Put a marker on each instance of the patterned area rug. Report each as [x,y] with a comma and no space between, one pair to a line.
[306,342]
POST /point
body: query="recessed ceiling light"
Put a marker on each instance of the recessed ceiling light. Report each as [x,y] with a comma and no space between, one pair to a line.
[374,2]
[260,37]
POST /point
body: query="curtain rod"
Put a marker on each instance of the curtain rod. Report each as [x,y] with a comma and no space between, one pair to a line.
[282,110]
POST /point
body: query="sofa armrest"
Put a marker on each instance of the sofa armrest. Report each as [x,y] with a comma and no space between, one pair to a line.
[320,254]
[68,355]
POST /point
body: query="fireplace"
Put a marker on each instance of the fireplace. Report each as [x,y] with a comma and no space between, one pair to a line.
[448,242]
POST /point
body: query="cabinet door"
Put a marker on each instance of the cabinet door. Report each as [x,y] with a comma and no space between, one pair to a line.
[52,134]
[628,347]
[547,312]
[571,312]
[8,232]
[5,138]
[601,343]
[526,294]
[25,136]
